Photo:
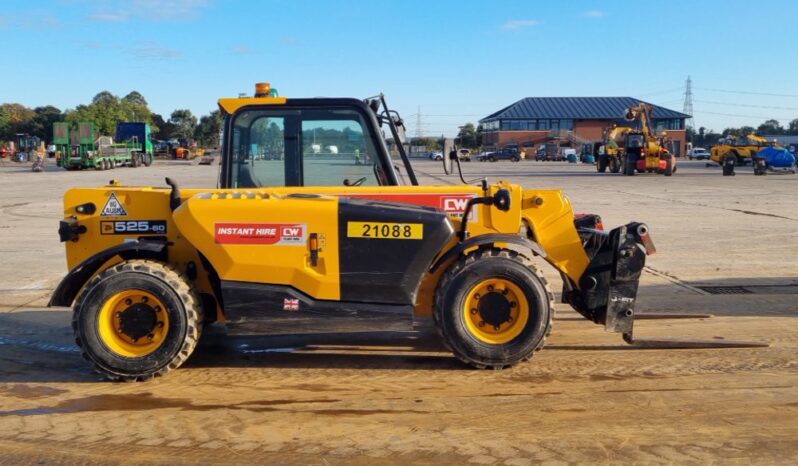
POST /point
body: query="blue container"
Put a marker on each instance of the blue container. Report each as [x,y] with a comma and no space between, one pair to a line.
[571,158]
[777,158]
[589,159]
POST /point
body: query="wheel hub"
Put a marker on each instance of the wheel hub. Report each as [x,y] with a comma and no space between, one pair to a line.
[138,320]
[494,308]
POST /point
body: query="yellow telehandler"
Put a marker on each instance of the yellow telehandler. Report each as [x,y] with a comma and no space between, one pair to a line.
[303,238]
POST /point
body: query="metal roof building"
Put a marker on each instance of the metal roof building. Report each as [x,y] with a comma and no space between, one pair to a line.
[572,120]
[588,108]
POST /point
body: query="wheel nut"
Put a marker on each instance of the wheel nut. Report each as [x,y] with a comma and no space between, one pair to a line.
[496,327]
[150,336]
[473,310]
[118,315]
[513,304]
[477,296]
[490,287]
[157,308]
[160,324]
[481,323]
[509,320]
[128,301]
[144,299]
[504,291]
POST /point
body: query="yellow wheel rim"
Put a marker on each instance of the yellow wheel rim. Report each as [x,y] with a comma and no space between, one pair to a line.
[496,311]
[133,323]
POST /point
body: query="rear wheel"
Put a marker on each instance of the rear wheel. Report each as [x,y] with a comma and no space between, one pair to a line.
[492,309]
[629,166]
[601,164]
[669,168]
[137,320]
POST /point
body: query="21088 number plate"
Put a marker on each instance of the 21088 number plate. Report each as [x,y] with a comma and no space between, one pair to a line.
[381,230]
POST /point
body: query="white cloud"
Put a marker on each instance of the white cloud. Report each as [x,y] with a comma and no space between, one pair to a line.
[241,50]
[153,51]
[594,14]
[520,23]
[124,10]
[108,16]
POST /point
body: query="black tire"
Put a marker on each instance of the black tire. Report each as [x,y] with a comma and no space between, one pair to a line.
[181,304]
[630,166]
[462,277]
[514,159]
[135,160]
[669,168]
[491,159]
[147,160]
[99,165]
[601,164]
[615,165]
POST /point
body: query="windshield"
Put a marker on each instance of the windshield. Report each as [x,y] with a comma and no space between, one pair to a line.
[283,146]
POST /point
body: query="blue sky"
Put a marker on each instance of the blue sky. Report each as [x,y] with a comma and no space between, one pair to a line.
[457,60]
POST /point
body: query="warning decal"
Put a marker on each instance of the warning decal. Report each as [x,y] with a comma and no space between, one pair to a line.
[292,234]
[113,208]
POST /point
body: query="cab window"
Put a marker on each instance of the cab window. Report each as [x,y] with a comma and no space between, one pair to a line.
[303,147]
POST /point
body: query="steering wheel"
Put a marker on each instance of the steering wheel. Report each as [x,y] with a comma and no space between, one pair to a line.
[357,182]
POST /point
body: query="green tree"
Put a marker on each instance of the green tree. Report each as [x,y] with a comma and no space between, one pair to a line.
[793,127]
[208,129]
[771,127]
[106,110]
[42,123]
[185,123]
[17,118]
[134,97]
[468,136]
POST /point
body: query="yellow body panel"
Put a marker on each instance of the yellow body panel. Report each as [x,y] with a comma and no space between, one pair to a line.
[269,256]
[546,214]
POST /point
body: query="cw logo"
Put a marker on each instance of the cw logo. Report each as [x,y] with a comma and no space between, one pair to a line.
[292,231]
[455,204]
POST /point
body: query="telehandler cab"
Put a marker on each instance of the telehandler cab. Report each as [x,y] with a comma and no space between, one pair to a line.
[315,227]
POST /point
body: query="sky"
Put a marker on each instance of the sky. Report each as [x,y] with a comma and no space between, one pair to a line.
[454,60]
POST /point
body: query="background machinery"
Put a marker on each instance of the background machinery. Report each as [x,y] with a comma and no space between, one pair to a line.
[644,151]
[301,244]
[78,148]
[741,149]
[612,154]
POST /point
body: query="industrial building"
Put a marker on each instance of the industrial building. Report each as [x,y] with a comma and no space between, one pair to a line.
[572,120]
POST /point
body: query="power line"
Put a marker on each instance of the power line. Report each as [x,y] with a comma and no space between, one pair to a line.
[746,92]
[743,116]
[746,105]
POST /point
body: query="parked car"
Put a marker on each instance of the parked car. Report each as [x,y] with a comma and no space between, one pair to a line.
[502,154]
[698,153]
[464,155]
[436,155]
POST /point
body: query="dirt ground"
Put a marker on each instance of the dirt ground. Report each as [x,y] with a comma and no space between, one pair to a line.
[388,398]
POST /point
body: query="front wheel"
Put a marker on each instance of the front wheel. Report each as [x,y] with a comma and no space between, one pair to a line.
[137,320]
[492,309]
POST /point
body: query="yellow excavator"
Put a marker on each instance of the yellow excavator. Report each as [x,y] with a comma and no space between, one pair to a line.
[645,151]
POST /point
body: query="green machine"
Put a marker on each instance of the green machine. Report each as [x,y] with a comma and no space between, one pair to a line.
[78,148]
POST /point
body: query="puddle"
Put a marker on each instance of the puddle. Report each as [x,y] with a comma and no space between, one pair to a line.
[21,390]
[40,345]
[147,402]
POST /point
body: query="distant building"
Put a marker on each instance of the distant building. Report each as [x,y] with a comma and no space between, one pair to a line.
[790,141]
[575,120]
